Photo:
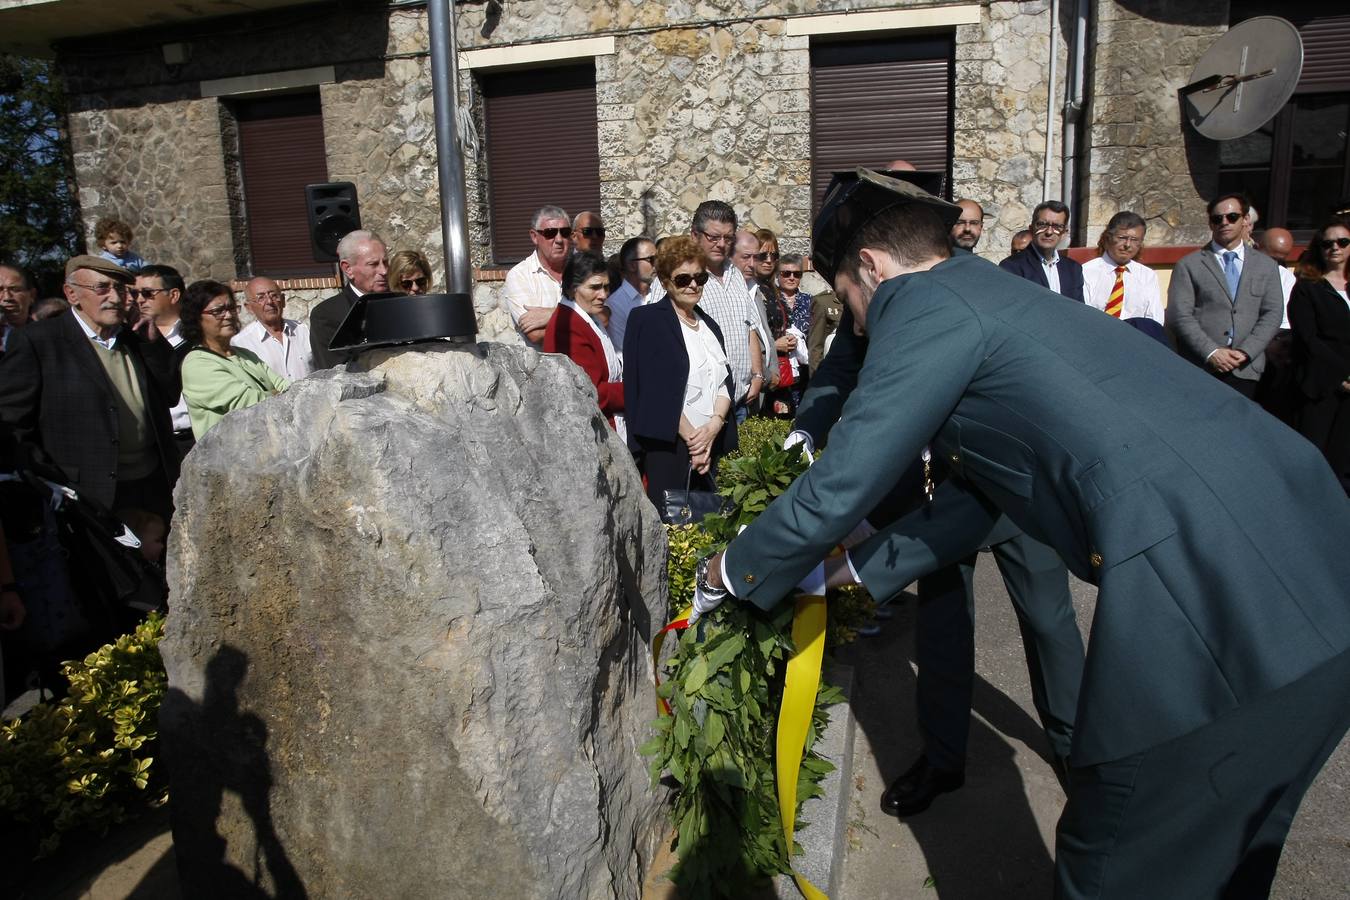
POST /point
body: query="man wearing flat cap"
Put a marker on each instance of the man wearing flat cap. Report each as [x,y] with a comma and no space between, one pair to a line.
[95,395]
[1217,679]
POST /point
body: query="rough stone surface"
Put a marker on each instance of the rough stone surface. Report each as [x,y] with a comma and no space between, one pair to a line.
[408,643]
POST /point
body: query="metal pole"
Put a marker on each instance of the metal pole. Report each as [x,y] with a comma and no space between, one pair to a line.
[449,160]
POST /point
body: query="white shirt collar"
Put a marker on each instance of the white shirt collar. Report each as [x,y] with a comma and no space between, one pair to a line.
[1219,251]
[1111,261]
[90,333]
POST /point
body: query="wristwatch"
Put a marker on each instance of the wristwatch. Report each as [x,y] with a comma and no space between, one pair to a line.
[701,581]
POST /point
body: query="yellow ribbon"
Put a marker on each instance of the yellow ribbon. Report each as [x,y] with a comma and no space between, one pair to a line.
[794,717]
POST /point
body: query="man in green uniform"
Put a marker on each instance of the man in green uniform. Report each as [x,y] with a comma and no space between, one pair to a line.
[1217,679]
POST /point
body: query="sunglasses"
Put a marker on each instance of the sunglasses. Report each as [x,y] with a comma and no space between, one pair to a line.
[147,293]
[592,231]
[788,273]
[222,312]
[766,256]
[684,279]
[1328,243]
[549,234]
[415,282]
[645,259]
[103,288]
[1220,218]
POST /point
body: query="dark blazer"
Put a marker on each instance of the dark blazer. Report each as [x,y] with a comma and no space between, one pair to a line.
[1086,435]
[1027,264]
[56,394]
[1320,321]
[655,372]
[1200,313]
[569,335]
[324,320]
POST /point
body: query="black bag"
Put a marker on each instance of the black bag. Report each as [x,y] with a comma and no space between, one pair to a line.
[686,507]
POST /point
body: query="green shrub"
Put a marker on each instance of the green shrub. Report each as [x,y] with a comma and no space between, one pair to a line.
[757,434]
[85,762]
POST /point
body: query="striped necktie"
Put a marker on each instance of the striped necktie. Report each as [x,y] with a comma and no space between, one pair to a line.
[1117,301]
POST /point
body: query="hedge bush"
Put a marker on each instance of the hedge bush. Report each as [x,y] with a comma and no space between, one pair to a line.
[86,762]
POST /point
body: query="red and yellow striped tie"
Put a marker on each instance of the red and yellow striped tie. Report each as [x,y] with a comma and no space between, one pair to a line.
[1117,301]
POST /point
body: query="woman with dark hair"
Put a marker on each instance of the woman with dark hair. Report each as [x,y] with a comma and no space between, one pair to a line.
[678,386]
[781,399]
[217,377]
[575,330]
[1319,316]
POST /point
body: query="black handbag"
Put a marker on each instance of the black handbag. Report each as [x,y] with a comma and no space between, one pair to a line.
[686,507]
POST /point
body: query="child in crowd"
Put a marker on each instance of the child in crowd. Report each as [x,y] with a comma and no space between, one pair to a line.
[114,242]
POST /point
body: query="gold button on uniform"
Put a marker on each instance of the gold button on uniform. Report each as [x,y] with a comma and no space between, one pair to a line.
[1096,560]
[749,579]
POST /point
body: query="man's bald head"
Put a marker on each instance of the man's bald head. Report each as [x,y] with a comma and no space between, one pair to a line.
[900,165]
[968,228]
[743,254]
[1277,243]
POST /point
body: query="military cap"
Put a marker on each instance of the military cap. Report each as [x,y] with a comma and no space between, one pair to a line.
[100,265]
[856,198]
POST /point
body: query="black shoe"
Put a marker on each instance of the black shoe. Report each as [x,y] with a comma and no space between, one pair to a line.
[915,791]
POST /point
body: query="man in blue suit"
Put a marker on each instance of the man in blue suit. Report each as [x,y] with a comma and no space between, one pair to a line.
[1041,262]
[1217,679]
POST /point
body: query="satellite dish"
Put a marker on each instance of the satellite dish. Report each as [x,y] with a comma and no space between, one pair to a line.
[1244,79]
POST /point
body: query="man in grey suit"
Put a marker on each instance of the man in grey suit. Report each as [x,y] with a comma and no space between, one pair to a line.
[1217,680]
[1224,304]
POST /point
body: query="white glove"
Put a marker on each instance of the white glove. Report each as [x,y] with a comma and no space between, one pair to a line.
[861,532]
[802,439]
[703,604]
[814,582]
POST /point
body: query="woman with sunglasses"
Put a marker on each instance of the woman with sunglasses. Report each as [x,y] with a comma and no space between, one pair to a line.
[217,377]
[575,330]
[677,385]
[1319,316]
[409,272]
[781,398]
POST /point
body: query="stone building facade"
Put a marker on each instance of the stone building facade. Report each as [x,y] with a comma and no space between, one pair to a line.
[694,100]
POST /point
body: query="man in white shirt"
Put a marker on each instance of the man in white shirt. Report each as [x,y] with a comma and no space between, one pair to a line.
[17,293]
[158,292]
[534,285]
[637,261]
[280,342]
[1116,282]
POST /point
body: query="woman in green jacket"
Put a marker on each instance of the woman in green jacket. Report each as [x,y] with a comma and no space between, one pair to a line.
[219,378]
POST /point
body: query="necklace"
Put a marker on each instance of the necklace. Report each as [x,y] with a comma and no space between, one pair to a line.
[692,321]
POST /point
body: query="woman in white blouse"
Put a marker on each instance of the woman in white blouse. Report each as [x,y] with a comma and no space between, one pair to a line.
[677,384]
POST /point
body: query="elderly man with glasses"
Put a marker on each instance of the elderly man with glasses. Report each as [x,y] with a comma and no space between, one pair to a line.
[1117,282]
[280,342]
[95,395]
[1042,262]
[1224,304]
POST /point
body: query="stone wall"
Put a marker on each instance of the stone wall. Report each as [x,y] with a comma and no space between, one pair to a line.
[1142,155]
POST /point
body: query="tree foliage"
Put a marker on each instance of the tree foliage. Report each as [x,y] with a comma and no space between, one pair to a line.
[39,221]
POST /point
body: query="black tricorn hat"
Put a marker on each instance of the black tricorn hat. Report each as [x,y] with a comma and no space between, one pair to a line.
[855,198]
[386,320]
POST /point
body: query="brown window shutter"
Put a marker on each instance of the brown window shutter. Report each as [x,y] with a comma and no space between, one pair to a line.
[281,150]
[876,101]
[542,148]
[1326,54]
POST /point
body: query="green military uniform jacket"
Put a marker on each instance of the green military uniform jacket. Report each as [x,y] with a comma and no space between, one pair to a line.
[1214,533]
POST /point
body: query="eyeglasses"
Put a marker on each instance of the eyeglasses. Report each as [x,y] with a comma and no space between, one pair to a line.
[13,289]
[788,273]
[147,293]
[970,222]
[1124,239]
[267,295]
[222,312]
[684,279]
[1328,243]
[1049,226]
[1220,218]
[718,238]
[766,256]
[103,288]
[645,259]
[593,231]
[415,282]
[549,234]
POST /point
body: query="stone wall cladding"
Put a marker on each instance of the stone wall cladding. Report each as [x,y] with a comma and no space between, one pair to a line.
[1142,157]
[998,136]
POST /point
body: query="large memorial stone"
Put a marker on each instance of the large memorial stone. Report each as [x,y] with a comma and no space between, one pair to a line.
[407,643]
